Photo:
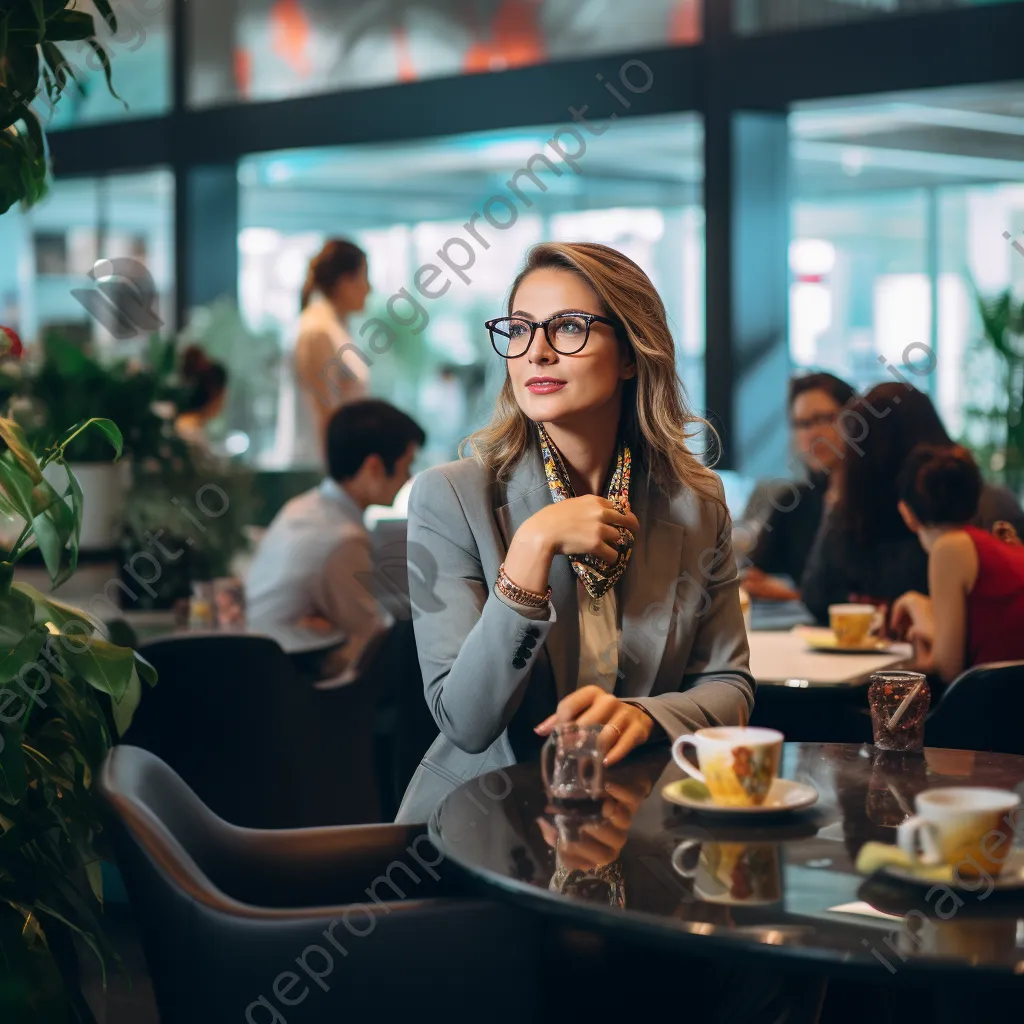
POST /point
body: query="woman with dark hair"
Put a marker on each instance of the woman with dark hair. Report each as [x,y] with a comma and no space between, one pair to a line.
[784,540]
[864,551]
[976,580]
[329,370]
[206,383]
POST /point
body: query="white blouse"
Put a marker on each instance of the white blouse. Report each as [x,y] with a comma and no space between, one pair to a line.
[321,384]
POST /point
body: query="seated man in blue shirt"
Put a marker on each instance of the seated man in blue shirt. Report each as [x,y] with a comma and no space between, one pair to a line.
[311,582]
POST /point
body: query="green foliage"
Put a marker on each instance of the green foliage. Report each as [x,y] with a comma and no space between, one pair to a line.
[183,476]
[73,385]
[65,692]
[996,431]
[29,32]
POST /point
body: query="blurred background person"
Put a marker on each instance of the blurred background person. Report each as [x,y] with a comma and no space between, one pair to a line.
[787,533]
[328,368]
[205,384]
[976,580]
[864,551]
[311,584]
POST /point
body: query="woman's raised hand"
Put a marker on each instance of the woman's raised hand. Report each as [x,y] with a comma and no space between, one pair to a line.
[588,525]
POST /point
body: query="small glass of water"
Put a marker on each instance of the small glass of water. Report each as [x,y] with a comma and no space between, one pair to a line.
[572,764]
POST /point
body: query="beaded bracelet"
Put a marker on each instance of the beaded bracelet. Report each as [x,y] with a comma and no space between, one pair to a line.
[515,593]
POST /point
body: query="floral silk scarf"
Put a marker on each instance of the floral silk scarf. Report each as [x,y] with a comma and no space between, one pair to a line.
[597,576]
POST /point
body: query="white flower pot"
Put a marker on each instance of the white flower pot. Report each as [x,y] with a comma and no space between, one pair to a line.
[104,485]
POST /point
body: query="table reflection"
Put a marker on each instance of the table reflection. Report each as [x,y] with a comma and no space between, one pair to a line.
[737,874]
[786,883]
[587,845]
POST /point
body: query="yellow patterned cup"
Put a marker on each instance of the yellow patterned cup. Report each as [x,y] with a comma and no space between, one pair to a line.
[738,764]
[968,827]
[852,623]
[737,874]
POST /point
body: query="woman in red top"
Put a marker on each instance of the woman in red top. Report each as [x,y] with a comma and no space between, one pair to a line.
[975,614]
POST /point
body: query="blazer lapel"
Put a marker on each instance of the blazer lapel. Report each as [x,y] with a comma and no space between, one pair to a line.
[648,592]
[526,493]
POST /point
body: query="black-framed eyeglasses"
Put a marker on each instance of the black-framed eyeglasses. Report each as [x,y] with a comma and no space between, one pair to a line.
[567,333]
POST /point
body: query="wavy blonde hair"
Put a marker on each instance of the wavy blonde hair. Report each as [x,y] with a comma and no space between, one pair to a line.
[656,421]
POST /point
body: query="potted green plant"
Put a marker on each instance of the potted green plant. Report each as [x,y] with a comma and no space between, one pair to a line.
[65,693]
[71,384]
[29,33]
[995,428]
[198,506]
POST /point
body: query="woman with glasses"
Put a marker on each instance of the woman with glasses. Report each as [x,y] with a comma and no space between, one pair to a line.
[584,568]
[785,538]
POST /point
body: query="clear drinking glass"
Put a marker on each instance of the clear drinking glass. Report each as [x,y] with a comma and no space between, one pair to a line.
[899,702]
[202,613]
[572,764]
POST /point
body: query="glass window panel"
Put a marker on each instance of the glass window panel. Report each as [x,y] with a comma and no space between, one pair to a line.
[57,243]
[858,283]
[403,203]
[271,49]
[904,204]
[974,252]
[754,16]
[140,57]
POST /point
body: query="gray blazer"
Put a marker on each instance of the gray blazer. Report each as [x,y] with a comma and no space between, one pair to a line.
[683,653]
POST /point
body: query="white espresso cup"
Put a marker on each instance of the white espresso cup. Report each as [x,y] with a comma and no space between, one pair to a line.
[968,827]
[738,764]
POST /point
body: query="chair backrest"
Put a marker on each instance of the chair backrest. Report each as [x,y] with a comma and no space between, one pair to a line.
[258,746]
[221,910]
[163,815]
[163,837]
[412,728]
[982,709]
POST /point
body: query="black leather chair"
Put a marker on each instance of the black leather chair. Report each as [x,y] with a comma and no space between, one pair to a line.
[308,925]
[404,726]
[260,747]
[982,709]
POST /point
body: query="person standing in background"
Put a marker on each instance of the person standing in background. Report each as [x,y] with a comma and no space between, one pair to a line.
[329,371]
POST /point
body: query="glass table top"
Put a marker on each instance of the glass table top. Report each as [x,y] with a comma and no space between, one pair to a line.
[784,885]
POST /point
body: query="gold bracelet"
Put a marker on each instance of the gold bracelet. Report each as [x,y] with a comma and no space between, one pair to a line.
[515,593]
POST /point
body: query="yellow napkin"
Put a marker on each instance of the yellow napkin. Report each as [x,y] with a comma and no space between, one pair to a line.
[873,856]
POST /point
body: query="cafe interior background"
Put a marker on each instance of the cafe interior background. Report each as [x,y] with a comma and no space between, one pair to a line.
[826,184]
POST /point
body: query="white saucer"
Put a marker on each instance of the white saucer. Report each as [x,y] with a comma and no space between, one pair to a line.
[782,797]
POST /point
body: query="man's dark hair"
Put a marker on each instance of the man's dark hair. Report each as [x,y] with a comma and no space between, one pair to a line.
[832,385]
[940,485]
[368,427]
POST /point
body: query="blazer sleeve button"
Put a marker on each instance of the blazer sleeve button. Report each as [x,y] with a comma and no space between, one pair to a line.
[529,642]
[533,631]
[518,662]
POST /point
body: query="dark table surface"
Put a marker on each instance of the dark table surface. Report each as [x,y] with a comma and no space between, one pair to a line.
[779,886]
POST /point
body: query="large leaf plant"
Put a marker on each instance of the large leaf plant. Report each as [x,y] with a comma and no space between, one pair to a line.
[65,693]
[30,60]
